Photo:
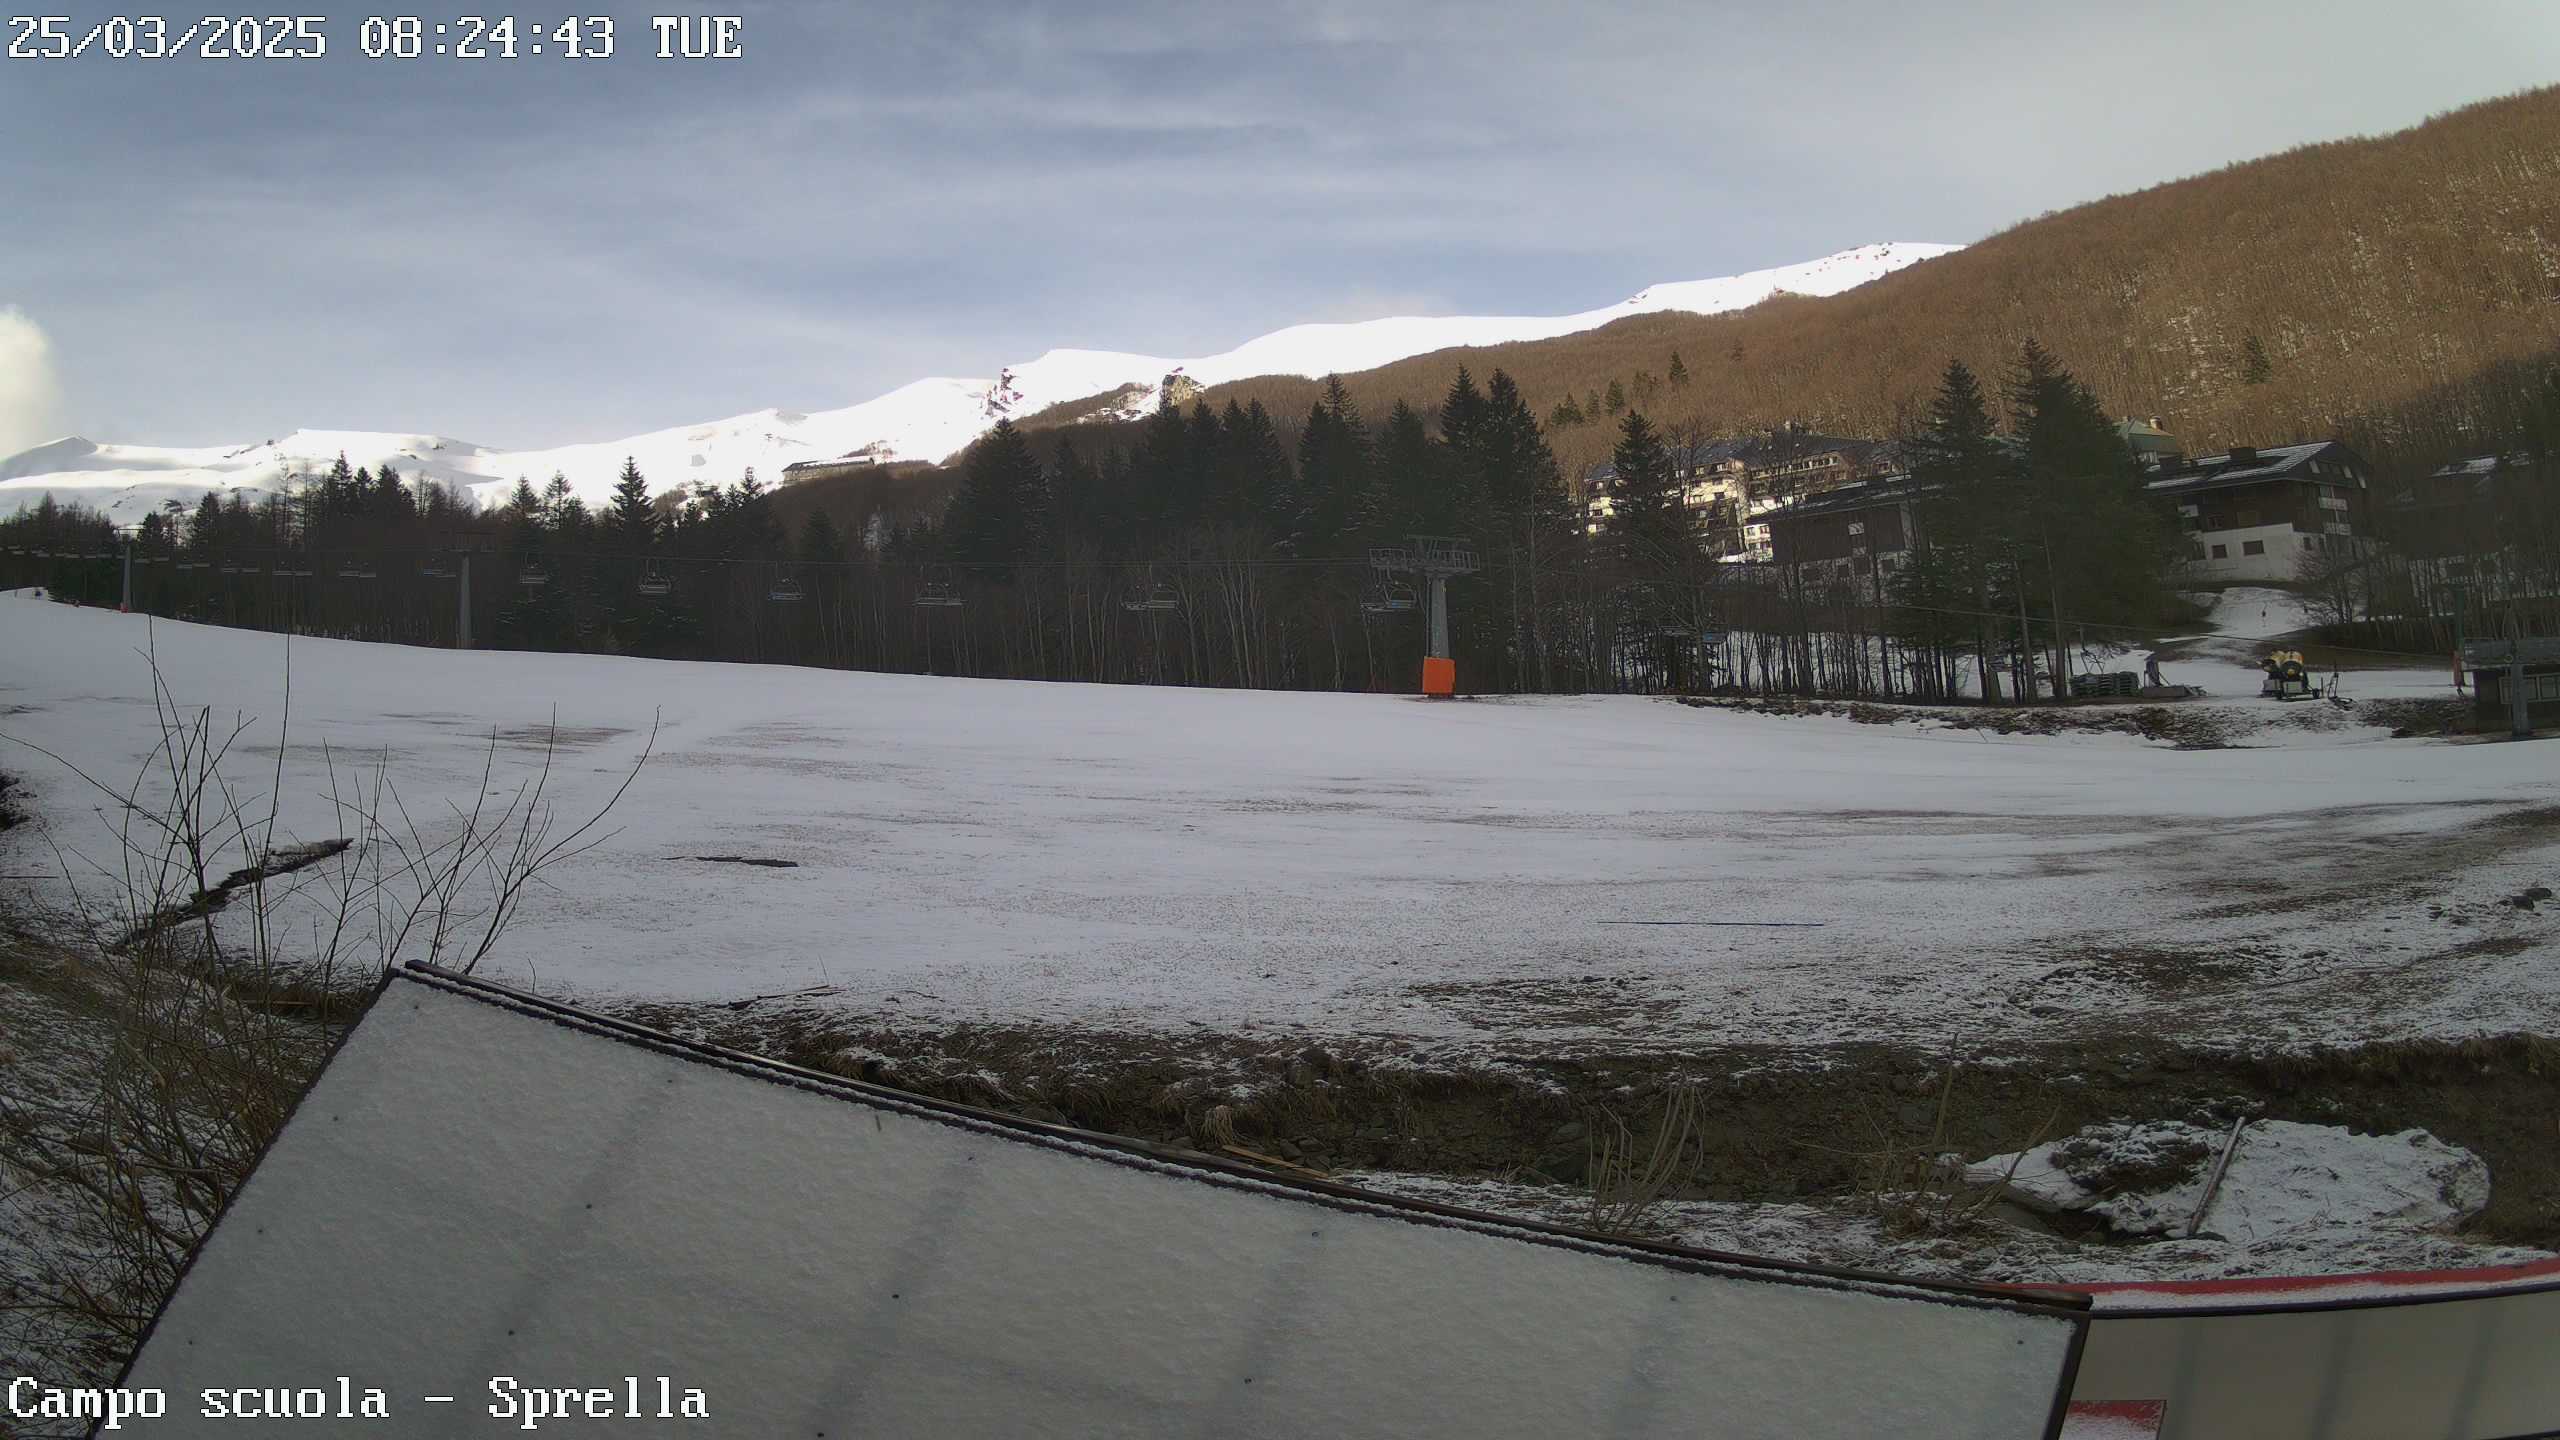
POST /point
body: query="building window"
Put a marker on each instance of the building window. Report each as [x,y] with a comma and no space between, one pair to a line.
[2253,547]
[2545,687]
[2221,552]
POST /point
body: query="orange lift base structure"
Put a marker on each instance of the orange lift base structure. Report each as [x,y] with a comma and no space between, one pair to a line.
[1439,676]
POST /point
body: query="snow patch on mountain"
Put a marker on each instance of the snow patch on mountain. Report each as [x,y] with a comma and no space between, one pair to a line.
[928,420]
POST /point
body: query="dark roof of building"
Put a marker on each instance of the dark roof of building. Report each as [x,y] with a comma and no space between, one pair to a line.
[1754,451]
[2490,654]
[2249,467]
[1855,495]
[840,461]
[2481,465]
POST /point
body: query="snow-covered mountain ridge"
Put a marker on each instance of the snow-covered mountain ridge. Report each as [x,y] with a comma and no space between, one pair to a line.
[931,419]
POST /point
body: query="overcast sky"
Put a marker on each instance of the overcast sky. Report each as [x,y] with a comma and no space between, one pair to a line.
[545,250]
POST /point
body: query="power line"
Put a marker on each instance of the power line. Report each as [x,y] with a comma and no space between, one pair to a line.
[326,562]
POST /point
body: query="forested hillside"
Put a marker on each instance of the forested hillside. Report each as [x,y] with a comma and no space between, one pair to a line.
[2322,289]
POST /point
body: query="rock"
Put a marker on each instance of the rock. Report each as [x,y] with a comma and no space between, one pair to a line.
[1286,1148]
[1567,1166]
[1568,1132]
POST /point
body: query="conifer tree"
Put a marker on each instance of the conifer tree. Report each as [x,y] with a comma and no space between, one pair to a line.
[1000,515]
[1650,530]
[390,498]
[1967,494]
[821,543]
[1414,494]
[631,519]
[1461,411]
[1334,473]
[1267,485]
[2255,367]
[1616,400]
[1679,374]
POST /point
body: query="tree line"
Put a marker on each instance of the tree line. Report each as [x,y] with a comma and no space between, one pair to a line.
[1216,547]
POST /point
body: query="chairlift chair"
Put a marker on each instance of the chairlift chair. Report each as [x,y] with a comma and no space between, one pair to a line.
[354,570]
[1157,598]
[533,577]
[654,581]
[1392,597]
[434,568]
[785,591]
[233,567]
[938,595]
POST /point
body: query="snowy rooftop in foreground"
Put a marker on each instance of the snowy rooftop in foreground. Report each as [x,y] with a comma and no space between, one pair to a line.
[570,1202]
[1432,877]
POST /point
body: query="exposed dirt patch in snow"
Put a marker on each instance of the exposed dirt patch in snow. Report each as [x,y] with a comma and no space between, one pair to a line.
[1779,1126]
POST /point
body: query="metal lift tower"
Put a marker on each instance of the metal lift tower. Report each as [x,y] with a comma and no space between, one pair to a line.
[1436,558]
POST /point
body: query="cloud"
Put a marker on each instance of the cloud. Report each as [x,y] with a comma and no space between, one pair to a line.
[30,398]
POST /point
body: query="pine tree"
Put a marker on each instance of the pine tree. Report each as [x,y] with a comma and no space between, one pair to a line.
[1649,528]
[2255,367]
[1967,505]
[1000,515]
[1679,375]
[337,491]
[1267,486]
[390,498]
[2084,534]
[821,543]
[1334,473]
[1615,402]
[1512,488]
[631,519]
[1461,411]
[1565,416]
[1414,493]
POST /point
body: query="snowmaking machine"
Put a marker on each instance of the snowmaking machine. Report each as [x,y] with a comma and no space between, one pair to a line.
[2288,678]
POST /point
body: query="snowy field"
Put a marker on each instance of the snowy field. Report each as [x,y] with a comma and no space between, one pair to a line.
[1449,880]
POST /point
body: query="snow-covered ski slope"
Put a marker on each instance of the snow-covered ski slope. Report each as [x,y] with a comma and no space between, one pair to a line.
[1450,879]
[930,419]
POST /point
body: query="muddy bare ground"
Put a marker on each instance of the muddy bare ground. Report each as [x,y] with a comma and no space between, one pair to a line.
[1781,1123]
[2198,724]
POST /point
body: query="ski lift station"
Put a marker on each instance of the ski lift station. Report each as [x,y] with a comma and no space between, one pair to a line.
[2492,662]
